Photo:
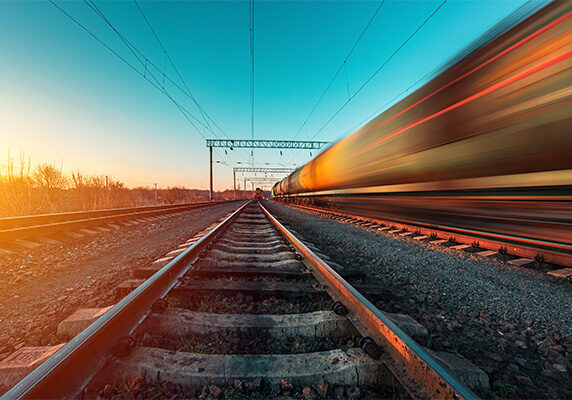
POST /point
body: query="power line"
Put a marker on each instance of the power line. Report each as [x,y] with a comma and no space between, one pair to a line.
[376,112]
[186,113]
[126,42]
[251,17]
[105,45]
[339,69]
[96,38]
[204,114]
[171,62]
[379,69]
[132,48]
[368,80]
[129,45]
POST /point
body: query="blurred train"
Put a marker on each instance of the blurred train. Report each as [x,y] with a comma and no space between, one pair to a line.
[485,145]
[258,194]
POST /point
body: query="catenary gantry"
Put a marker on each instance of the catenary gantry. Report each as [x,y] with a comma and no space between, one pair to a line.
[258,144]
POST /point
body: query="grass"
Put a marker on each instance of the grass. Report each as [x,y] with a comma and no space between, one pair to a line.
[506,389]
[190,346]
[46,189]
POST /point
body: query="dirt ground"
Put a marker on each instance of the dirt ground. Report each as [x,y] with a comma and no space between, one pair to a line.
[40,287]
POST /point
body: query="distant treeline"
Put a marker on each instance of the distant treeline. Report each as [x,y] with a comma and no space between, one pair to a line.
[46,189]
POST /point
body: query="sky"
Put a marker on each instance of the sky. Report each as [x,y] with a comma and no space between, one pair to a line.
[66,99]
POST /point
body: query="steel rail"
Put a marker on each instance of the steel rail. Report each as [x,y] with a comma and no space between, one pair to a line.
[51,223]
[419,372]
[65,374]
[39,219]
[552,252]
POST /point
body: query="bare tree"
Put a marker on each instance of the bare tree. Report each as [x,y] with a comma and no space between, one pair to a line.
[51,183]
[45,188]
[49,177]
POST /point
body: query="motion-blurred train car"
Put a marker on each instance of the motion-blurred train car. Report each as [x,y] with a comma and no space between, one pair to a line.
[485,145]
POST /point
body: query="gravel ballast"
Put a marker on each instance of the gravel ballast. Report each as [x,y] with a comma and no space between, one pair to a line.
[513,322]
[240,304]
[42,286]
[246,356]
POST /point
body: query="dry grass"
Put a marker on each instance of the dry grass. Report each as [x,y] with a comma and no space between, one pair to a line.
[46,189]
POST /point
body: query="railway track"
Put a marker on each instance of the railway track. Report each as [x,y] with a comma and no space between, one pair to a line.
[26,230]
[517,250]
[247,308]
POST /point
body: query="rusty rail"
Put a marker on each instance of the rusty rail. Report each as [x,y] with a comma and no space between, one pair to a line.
[36,225]
[555,253]
[66,373]
[420,374]
[71,368]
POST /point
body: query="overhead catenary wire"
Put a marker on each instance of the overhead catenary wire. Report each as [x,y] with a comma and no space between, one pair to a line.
[168,57]
[387,103]
[188,92]
[133,49]
[186,113]
[143,75]
[369,79]
[125,41]
[342,65]
[251,18]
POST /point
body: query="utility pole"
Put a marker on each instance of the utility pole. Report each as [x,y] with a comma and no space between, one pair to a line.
[245,188]
[211,154]
[234,180]
[155,194]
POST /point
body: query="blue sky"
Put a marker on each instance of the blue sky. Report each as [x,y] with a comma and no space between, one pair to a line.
[66,99]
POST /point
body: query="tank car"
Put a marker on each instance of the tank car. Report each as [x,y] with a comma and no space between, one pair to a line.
[486,144]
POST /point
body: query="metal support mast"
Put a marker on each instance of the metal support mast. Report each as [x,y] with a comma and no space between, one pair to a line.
[234,181]
[211,164]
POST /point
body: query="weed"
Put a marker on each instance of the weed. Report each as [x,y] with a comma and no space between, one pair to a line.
[506,388]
